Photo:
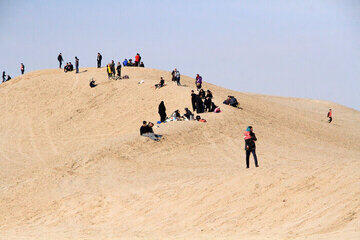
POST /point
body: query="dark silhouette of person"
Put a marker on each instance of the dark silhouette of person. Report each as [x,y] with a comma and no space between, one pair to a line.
[193,99]
[199,105]
[60,59]
[99,58]
[162,111]
[250,146]
[118,69]
[4,76]
[22,68]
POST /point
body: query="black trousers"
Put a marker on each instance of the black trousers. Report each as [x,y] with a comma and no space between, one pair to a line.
[22,71]
[193,105]
[248,157]
[178,81]
[99,64]
[60,63]
[119,73]
[330,119]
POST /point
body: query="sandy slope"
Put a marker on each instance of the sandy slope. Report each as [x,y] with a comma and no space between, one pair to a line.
[73,166]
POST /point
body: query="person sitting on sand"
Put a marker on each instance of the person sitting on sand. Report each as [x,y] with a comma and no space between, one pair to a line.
[130,63]
[232,101]
[161,84]
[199,119]
[92,83]
[8,78]
[250,147]
[142,64]
[147,131]
[188,114]
[125,62]
[176,115]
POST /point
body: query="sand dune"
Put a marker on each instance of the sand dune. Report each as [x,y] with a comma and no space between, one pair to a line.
[73,166]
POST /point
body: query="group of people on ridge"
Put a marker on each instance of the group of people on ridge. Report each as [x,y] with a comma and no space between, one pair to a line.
[130,63]
[68,67]
[202,102]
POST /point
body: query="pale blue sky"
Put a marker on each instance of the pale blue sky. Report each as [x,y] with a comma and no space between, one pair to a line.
[279,47]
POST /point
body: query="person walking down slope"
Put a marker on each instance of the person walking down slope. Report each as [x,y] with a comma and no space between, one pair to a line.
[162,111]
[329,115]
[77,64]
[250,147]
[22,68]
[60,59]
[99,58]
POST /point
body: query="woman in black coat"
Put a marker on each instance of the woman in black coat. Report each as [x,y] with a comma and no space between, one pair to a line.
[162,111]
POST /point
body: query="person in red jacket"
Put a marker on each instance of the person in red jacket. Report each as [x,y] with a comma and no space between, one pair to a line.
[329,115]
[137,60]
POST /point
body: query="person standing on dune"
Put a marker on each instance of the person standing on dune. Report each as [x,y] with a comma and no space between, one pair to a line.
[77,64]
[118,69]
[60,59]
[329,115]
[22,68]
[99,58]
[162,111]
[194,97]
[3,76]
[250,147]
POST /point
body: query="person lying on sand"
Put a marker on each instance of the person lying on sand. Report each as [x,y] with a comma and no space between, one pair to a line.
[199,119]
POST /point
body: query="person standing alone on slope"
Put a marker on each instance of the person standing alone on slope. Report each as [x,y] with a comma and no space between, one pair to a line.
[77,64]
[250,138]
[162,111]
[329,115]
[22,68]
[99,58]
[60,59]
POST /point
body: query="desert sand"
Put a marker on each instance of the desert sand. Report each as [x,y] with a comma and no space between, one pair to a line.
[73,165]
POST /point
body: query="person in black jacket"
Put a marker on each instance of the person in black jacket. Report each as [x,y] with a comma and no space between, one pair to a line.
[118,69]
[199,105]
[208,104]
[147,131]
[250,146]
[60,59]
[193,99]
[162,111]
[4,76]
[99,58]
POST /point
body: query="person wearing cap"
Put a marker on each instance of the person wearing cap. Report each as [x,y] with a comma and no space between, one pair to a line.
[250,147]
